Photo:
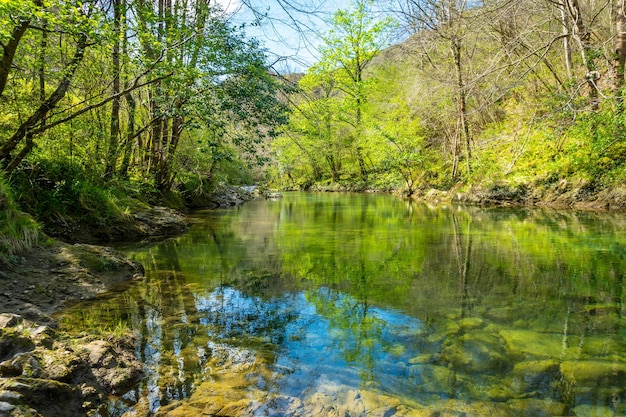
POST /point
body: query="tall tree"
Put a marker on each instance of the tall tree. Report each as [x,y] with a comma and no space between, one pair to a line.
[356,37]
[447,20]
[620,52]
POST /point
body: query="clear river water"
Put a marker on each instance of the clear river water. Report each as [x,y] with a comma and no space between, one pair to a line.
[368,305]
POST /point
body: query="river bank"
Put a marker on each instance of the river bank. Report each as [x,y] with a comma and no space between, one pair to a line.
[561,194]
[581,195]
[51,373]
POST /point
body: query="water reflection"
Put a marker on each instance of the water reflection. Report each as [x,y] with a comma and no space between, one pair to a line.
[350,304]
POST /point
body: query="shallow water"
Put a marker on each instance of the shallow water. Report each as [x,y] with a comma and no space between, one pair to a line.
[353,304]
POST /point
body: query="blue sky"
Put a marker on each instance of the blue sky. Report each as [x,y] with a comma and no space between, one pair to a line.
[289,29]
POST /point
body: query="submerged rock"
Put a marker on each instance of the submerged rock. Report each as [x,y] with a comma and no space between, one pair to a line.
[477,352]
[432,379]
[594,373]
[534,345]
[536,407]
[587,410]
[533,377]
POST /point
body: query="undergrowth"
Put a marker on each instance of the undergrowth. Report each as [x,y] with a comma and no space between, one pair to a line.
[18,231]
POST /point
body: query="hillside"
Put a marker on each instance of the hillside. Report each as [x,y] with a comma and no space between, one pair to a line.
[486,107]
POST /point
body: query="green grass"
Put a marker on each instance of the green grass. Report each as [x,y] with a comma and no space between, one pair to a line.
[18,231]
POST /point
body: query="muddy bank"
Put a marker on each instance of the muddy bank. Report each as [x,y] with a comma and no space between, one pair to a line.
[150,224]
[45,279]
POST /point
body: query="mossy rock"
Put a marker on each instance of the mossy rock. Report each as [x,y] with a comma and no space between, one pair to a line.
[537,407]
[477,352]
[444,330]
[50,398]
[530,377]
[534,345]
[458,408]
[503,315]
[613,397]
[12,342]
[594,373]
[471,323]
[432,378]
[588,410]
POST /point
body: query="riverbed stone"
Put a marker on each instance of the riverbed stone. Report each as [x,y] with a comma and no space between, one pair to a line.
[432,378]
[445,329]
[537,407]
[423,359]
[471,323]
[594,373]
[588,410]
[535,345]
[458,408]
[533,376]
[478,352]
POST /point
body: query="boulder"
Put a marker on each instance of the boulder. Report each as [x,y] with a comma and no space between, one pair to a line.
[50,398]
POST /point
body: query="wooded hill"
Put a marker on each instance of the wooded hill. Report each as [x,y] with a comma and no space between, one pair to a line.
[508,95]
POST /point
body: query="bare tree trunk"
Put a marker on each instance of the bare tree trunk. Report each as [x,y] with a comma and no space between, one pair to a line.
[462,103]
[114,130]
[567,47]
[130,135]
[620,53]
[582,34]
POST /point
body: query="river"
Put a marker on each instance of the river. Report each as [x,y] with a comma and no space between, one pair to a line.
[365,304]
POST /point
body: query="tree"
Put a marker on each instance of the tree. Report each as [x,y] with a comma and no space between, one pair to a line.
[447,20]
[328,124]
[355,39]
[620,52]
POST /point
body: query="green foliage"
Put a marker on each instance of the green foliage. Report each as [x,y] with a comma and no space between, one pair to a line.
[326,139]
[18,231]
[53,189]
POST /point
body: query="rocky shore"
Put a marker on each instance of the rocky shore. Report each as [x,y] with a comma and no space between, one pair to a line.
[580,195]
[45,372]
[50,373]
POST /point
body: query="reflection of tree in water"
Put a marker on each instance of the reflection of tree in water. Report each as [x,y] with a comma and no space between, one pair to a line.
[356,334]
[176,326]
[473,275]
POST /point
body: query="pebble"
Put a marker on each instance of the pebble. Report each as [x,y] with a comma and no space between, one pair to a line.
[6,407]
